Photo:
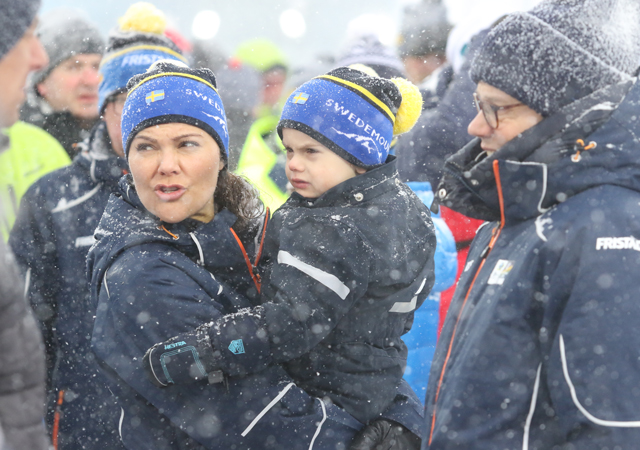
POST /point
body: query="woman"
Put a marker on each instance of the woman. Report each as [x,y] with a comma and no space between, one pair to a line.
[178,248]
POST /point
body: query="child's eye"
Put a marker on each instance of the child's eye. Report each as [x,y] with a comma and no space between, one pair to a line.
[312,150]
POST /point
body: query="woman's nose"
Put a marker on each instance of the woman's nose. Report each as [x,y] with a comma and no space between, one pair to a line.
[169,163]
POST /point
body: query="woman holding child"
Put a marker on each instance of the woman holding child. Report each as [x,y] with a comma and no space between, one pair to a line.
[178,248]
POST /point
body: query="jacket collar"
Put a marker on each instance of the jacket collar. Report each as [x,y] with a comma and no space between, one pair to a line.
[538,169]
[97,157]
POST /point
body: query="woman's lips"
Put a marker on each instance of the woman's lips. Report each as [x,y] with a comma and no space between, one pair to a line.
[169,193]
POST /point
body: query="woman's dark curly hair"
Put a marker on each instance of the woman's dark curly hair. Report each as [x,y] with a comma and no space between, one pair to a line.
[238,196]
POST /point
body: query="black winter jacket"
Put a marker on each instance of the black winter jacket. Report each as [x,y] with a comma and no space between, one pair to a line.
[540,348]
[51,238]
[343,275]
[153,283]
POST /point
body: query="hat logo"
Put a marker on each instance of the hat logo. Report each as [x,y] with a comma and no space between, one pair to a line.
[154,96]
[301,98]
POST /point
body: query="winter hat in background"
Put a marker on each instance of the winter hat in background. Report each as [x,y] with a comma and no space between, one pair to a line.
[133,46]
[170,92]
[368,50]
[65,33]
[353,114]
[262,54]
[15,17]
[425,29]
[561,51]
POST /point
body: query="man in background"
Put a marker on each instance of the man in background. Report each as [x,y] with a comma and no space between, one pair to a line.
[63,95]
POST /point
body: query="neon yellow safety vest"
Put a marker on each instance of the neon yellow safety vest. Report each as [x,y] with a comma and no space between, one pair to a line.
[32,153]
[258,160]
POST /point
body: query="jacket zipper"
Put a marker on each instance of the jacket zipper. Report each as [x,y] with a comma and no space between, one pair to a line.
[483,256]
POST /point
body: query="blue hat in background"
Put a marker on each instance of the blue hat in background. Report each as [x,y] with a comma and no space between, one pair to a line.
[171,92]
[132,47]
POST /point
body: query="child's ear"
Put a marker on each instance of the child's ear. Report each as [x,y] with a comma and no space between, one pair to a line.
[359,170]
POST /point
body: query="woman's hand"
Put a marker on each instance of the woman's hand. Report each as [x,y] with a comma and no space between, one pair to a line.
[181,360]
[383,434]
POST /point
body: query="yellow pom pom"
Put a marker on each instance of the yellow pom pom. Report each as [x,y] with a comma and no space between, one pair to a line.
[143,17]
[410,108]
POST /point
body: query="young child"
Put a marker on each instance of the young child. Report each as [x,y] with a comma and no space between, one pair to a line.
[347,259]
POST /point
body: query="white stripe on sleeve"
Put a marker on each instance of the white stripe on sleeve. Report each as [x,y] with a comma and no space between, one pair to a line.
[322,277]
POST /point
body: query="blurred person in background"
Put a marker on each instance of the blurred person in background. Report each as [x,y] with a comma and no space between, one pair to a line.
[540,346]
[63,96]
[262,159]
[22,361]
[55,229]
[240,89]
[31,153]
[423,39]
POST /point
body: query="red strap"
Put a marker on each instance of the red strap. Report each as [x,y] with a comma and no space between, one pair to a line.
[256,278]
[56,420]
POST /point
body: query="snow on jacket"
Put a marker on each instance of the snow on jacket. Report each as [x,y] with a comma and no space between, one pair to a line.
[22,364]
[342,276]
[153,284]
[540,348]
[51,238]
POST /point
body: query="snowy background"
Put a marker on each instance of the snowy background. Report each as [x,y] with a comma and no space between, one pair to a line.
[304,29]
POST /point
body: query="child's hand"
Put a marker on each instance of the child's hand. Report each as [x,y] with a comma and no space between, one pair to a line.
[384,434]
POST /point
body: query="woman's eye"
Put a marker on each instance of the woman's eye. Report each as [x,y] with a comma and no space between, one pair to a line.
[189,144]
[142,147]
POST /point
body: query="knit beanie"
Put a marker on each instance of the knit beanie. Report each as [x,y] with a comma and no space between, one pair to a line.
[425,29]
[15,17]
[561,51]
[132,47]
[353,114]
[65,33]
[170,92]
[368,50]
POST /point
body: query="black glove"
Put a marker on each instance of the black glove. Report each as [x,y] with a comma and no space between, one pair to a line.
[383,434]
[183,359]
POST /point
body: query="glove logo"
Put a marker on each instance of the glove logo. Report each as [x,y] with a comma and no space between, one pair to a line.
[236,347]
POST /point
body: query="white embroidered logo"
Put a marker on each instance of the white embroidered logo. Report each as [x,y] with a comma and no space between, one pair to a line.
[500,271]
[618,243]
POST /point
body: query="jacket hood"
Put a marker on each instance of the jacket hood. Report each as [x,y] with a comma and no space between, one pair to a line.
[126,224]
[97,157]
[589,143]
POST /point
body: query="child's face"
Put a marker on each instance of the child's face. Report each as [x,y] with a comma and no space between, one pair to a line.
[311,167]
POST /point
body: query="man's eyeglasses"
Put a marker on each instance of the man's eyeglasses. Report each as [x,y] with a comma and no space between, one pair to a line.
[489,111]
[118,102]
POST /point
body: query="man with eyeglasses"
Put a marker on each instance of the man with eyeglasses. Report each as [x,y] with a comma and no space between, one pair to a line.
[54,231]
[540,348]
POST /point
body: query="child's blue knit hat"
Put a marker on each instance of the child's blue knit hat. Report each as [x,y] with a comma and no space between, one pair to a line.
[171,92]
[137,43]
[354,114]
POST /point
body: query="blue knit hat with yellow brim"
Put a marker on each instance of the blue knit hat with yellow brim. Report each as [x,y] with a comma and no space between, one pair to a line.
[137,43]
[171,92]
[353,113]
